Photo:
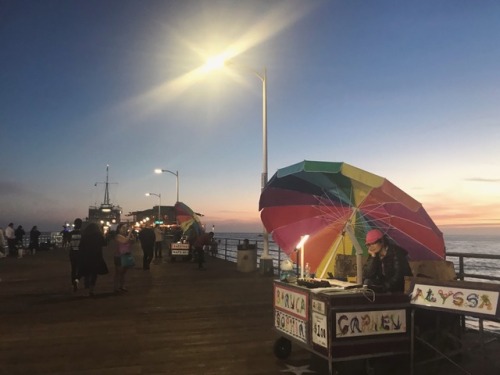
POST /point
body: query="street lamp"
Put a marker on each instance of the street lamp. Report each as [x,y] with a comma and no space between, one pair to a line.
[176,174]
[263,181]
[263,78]
[159,205]
[216,62]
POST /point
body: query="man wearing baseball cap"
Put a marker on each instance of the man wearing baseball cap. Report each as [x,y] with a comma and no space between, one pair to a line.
[387,264]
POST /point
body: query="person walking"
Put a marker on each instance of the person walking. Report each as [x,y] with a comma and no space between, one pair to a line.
[158,242]
[91,259]
[10,234]
[204,240]
[34,240]
[74,253]
[123,241]
[2,244]
[147,240]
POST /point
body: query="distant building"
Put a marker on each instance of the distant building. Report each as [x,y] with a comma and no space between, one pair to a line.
[168,215]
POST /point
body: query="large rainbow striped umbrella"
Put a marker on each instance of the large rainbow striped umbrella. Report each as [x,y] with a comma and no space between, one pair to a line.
[336,204]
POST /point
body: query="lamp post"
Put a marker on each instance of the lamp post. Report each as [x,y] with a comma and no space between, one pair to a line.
[263,181]
[176,174]
[266,261]
[159,205]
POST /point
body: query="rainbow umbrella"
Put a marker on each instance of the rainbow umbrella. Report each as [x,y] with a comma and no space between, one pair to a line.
[336,204]
[188,220]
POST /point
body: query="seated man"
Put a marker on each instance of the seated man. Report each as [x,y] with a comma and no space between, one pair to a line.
[387,264]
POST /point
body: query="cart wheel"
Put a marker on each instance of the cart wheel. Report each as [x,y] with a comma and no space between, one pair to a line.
[369,369]
[282,348]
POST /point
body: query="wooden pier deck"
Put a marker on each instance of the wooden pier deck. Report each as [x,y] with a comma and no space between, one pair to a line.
[175,319]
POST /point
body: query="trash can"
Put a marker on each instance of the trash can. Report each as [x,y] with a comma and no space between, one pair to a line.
[247,258]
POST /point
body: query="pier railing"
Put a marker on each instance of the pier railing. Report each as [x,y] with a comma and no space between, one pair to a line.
[467,265]
[463,268]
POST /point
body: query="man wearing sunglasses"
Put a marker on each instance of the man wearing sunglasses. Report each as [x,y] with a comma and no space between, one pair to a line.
[387,264]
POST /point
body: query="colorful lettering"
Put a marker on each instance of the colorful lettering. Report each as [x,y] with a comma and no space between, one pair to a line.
[473,300]
[457,299]
[444,296]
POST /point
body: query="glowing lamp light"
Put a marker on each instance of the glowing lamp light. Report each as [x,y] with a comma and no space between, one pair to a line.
[300,245]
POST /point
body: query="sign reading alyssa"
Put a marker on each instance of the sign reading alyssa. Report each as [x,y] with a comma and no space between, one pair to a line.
[454,298]
[368,323]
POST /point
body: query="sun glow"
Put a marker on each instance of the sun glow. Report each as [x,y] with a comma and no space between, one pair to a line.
[267,26]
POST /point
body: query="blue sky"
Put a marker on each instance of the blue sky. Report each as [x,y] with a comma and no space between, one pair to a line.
[406,90]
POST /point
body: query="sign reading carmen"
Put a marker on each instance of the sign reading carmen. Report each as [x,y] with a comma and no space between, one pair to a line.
[366,323]
[454,298]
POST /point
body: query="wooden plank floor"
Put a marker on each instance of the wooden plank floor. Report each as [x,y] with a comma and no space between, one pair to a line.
[175,319]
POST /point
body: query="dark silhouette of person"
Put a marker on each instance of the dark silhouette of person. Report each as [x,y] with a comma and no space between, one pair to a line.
[204,240]
[147,239]
[34,240]
[19,235]
[91,258]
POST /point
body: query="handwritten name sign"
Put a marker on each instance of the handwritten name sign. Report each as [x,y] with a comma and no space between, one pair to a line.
[291,301]
[455,298]
[291,325]
[367,323]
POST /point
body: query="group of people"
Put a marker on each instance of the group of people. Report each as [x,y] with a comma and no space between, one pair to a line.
[86,254]
[12,240]
[384,270]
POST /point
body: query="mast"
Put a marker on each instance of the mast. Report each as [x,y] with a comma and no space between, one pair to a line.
[106,213]
[106,190]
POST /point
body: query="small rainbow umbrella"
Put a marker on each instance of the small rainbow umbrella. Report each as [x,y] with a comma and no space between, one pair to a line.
[336,204]
[188,220]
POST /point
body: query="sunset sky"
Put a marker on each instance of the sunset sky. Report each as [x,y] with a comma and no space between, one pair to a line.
[406,90]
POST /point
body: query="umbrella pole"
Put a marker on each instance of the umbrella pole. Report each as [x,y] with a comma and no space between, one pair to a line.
[359,253]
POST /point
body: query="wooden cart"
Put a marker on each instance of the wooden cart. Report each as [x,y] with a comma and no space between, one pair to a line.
[341,324]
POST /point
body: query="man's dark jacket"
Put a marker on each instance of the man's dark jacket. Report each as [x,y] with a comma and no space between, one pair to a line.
[387,274]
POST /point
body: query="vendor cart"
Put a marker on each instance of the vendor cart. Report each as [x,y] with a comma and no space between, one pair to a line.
[340,323]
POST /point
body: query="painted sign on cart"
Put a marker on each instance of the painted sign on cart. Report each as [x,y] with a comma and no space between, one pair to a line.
[454,298]
[319,332]
[291,301]
[291,325]
[180,248]
[369,323]
[291,312]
